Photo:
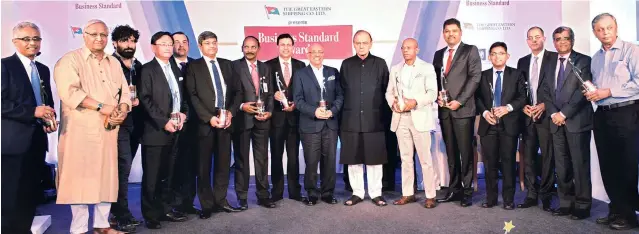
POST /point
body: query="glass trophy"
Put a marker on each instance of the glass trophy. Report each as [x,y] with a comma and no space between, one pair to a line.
[115,113]
[322,102]
[444,93]
[585,84]
[400,93]
[492,111]
[285,102]
[221,114]
[48,122]
[133,92]
[175,118]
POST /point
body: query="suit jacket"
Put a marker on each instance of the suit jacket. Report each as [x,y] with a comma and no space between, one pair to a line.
[423,88]
[462,80]
[190,114]
[202,96]
[241,72]
[279,116]
[155,97]
[20,129]
[574,105]
[524,65]
[513,92]
[307,96]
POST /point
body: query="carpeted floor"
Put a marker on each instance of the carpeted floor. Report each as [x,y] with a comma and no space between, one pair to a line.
[294,217]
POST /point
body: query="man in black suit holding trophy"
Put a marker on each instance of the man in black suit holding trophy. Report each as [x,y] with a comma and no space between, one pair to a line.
[252,123]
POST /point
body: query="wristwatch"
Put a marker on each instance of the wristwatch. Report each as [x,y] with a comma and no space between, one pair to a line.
[99,107]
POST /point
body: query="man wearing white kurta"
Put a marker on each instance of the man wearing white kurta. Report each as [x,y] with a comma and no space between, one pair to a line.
[411,93]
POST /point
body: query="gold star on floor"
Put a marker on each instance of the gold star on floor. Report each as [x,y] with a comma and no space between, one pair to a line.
[508,226]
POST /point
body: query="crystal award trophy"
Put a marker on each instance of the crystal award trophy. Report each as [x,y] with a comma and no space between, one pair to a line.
[585,84]
[115,113]
[399,93]
[444,93]
[322,102]
[283,91]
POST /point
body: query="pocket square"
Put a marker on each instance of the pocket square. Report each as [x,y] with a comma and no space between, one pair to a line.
[331,78]
[181,78]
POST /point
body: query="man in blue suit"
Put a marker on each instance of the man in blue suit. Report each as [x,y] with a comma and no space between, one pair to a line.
[27,115]
[318,126]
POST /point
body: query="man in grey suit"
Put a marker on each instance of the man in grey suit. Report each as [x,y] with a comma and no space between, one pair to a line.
[461,68]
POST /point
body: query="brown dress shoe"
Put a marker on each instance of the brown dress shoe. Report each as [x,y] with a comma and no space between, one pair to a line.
[405,200]
[430,203]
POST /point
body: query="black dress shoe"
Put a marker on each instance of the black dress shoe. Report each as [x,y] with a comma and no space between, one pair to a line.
[297,198]
[153,224]
[579,216]
[243,204]
[205,214]
[267,203]
[227,208]
[329,200]
[310,201]
[488,204]
[608,219]
[125,226]
[560,212]
[623,224]
[174,217]
[451,196]
[528,202]
[187,210]
[466,201]
[509,206]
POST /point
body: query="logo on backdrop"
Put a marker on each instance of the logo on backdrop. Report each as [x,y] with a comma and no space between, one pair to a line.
[488,3]
[75,31]
[503,26]
[298,11]
[336,40]
[482,54]
[98,6]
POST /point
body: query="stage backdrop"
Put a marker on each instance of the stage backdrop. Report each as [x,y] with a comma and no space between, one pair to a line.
[330,22]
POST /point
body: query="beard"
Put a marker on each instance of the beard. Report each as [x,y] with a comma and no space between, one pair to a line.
[126,53]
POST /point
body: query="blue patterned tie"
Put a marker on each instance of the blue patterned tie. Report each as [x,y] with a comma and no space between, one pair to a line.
[219,93]
[561,77]
[498,90]
[35,83]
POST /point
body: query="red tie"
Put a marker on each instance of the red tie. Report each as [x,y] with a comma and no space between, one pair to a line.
[449,62]
[287,74]
[256,79]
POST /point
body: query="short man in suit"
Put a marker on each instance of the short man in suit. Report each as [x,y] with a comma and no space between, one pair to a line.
[161,96]
[571,115]
[252,124]
[536,132]
[411,94]
[461,68]
[499,127]
[318,125]
[284,125]
[213,92]
[186,156]
[124,40]
[27,116]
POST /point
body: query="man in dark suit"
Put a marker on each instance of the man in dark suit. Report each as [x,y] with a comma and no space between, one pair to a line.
[500,126]
[571,115]
[318,126]
[213,92]
[253,123]
[161,96]
[284,126]
[185,154]
[27,116]
[536,132]
[461,66]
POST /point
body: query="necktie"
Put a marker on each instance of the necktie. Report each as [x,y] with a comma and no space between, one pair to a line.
[256,79]
[449,61]
[219,93]
[498,90]
[287,74]
[35,83]
[534,80]
[174,89]
[561,77]
[182,67]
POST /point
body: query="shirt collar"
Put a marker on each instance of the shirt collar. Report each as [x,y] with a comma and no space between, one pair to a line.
[566,56]
[541,54]
[282,60]
[321,68]
[208,60]
[454,47]
[618,45]
[495,70]
[163,64]
[177,61]
[86,54]
[26,61]
[249,63]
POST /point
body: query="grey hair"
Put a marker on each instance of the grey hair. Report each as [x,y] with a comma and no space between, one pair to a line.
[92,22]
[23,25]
[571,33]
[600,16]
[205,36]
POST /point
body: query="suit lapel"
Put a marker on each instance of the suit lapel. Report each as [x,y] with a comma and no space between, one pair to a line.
[460,50]
[26,83]
[506,82]
[312,75]
[247,72]
[280,73]
[567,71]
[205,69]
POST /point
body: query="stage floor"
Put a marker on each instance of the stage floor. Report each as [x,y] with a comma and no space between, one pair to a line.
[294,217]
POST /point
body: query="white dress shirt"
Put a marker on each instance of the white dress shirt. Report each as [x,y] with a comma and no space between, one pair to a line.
[406,74]
[177,61]
[534,84]
[445,59]
[319,75]
[177,98]
[508,106]
[26,62]
[219,72]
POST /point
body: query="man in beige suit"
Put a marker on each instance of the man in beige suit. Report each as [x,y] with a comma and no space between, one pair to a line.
[411,93]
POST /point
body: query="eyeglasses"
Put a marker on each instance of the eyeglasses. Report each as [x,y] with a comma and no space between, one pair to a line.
[316,52]
[164,45]
[95,35]
[208,43]
[29,39]
[500,54]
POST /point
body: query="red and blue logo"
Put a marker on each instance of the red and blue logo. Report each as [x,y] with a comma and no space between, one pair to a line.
[75,30]
[271,11]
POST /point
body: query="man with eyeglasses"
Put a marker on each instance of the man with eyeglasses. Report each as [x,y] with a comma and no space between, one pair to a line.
[124,39]
[284,124]
[27,109]
[536,132]
[95,101]
[183,184]
[615,70]
[571,115]
[499,127]
[161,95]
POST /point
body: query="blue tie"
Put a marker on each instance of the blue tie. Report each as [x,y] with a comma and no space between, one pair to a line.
[498,90]
[219,93]
[561,77]
[35,83]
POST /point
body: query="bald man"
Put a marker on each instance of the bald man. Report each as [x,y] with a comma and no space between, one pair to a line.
[318,126]
[411,94]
